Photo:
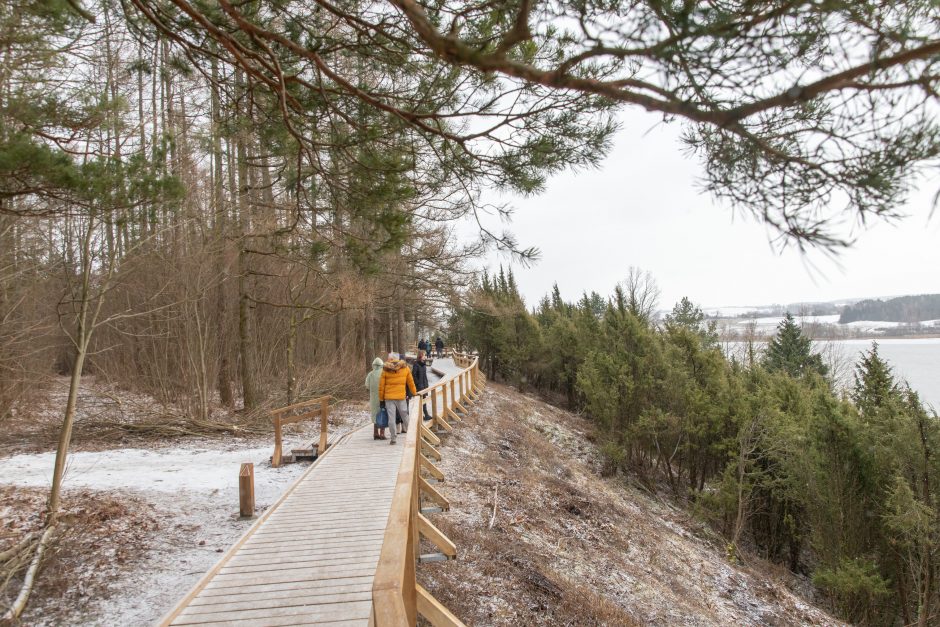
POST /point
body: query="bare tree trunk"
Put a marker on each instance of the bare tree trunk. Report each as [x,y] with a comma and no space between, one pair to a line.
[86,320]
[368,334]
[400,330]
[245,309]
[224,381]
[389,328]
[291,344]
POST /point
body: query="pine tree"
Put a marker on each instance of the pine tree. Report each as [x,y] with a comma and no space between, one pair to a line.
[875,386]
[686,315]
[791,352]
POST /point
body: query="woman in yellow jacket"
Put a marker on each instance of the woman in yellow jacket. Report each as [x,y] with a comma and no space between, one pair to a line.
[396,377]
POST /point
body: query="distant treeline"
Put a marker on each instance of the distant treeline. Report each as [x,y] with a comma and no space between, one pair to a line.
[901,309]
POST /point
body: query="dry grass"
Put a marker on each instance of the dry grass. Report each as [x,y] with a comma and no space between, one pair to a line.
[99,536]
[109,417]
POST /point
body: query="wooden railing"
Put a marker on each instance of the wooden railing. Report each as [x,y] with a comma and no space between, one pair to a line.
[397,598]
[299,412]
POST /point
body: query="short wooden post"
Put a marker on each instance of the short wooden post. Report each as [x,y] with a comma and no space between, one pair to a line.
[246,491]
[276,458]
[324,414]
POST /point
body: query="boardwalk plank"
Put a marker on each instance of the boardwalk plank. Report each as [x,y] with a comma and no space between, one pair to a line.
[262,593]
[211,592]
[310,613]
[260,602]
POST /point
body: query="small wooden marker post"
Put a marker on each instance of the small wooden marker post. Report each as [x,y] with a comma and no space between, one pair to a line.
[324,423]
[246,491]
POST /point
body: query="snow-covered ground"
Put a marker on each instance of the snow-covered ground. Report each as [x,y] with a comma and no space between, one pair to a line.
[767,325]
[191,489]
[202,470]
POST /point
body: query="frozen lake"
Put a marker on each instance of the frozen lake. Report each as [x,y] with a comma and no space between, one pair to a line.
[915,360]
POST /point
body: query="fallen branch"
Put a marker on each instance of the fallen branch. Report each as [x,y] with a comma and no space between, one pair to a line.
[20,603]
[167,428]
[13,551]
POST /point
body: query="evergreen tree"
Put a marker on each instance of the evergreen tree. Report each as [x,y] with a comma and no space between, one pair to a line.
[792,352]
[686,315]
[875,386]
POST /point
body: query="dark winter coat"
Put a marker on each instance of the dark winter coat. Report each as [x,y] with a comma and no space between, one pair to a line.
[439,344]
[423,346]
[420,372]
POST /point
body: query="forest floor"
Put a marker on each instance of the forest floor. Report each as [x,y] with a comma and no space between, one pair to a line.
[544,539]
[146,516]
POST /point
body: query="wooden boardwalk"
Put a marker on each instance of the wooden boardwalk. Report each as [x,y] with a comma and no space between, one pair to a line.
[311,559]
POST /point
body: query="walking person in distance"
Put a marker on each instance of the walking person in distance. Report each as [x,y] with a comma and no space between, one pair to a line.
[372,384]
[419,371]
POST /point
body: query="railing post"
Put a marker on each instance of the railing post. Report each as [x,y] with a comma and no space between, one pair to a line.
[446,404]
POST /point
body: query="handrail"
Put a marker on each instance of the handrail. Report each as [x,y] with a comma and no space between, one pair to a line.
[397,598]
[279,418]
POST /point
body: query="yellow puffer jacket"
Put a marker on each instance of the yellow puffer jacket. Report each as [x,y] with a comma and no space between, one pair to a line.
[395,376]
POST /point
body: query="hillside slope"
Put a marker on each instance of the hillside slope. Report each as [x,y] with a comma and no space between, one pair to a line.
[568,547]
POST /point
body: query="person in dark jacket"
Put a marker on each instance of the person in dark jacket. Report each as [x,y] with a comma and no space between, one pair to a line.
[419,371]
[439,345]
[423,346]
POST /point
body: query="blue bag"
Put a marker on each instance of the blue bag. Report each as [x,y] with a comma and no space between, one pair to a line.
[381,418]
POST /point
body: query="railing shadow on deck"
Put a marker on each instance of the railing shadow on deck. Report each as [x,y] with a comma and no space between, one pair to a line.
[397,598]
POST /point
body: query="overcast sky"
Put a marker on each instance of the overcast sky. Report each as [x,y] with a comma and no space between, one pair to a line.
[643,208]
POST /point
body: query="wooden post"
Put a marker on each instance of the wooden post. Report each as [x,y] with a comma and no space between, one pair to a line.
[276,458]
[324,414]
[246,491]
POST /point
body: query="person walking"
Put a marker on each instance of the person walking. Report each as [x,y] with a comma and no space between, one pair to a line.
[419,371]
[422,345]
[394,384]
[372,384]
[439,345]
